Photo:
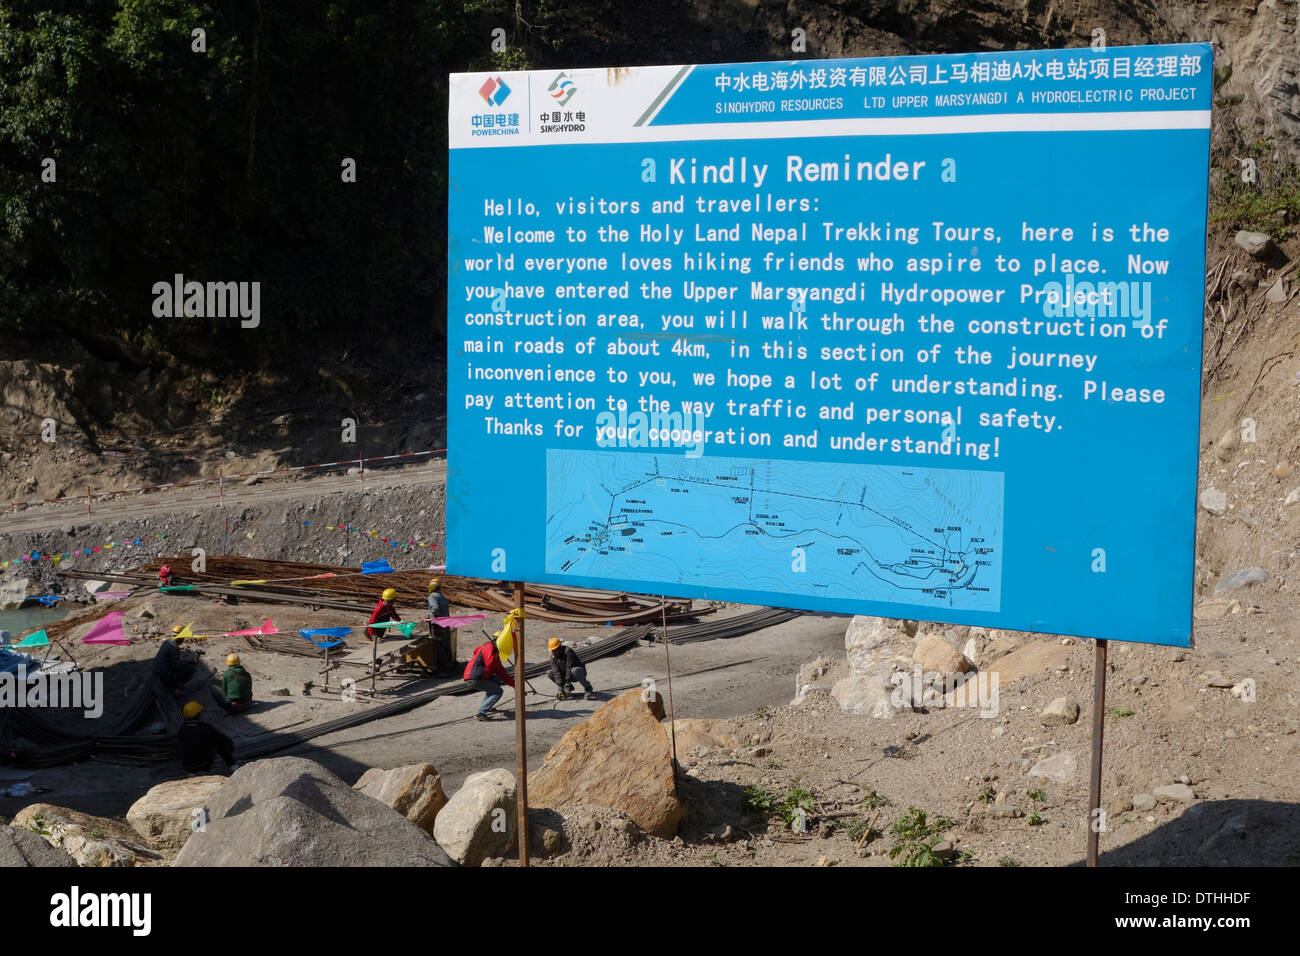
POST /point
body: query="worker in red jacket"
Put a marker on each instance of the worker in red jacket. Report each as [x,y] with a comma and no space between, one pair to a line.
[166,575]
[485,672]
[384,611]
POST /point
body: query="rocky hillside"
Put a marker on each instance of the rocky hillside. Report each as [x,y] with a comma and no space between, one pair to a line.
[142,416]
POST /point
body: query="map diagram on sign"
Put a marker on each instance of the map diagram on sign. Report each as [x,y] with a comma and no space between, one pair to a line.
[924,536]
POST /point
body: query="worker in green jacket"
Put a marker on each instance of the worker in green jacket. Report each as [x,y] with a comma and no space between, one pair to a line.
[236,694]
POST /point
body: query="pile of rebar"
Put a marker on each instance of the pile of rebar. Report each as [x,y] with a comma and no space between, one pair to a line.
[340,588]
[729,627]
[119,742]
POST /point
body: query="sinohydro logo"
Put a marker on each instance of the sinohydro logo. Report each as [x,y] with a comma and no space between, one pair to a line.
[562,90]
[494,92]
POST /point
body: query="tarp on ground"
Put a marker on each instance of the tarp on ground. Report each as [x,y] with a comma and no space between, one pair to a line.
[332,636]
[10,662]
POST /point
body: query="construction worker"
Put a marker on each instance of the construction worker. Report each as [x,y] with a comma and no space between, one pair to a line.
[565,668]
[165,573]
[236,693]
[383,612]
[173,666]
[485,672]
[444,663]
[200,743]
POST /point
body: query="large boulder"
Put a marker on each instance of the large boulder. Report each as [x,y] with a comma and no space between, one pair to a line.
[414,791]
[166,815]
[13,593]
[289,811]
[617,758]
[868,695]
[870,641]
[935,654]
[24,848]
[1033,658]
[481,818]
[873,648]
[90,841]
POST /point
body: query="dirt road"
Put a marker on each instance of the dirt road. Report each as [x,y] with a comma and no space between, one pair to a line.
[206,496]
[721,678]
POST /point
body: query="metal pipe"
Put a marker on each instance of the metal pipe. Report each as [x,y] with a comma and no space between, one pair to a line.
[1098,725]
[521,739]
[672,713]
[374,661]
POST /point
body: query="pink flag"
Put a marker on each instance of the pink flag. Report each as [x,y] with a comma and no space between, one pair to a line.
[267,628]
[457,621]
[107,631]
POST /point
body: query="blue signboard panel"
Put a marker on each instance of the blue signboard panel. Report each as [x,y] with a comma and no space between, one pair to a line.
[917,337]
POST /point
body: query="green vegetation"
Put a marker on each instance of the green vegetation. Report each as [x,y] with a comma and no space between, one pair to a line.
[1008,861]
[874,801]
[916,836]
[1036,797]
[789,804]
[1256,206]
[857,829]
[224,163]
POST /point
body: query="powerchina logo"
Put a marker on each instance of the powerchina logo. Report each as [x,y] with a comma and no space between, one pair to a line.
[494,92]
[76,909]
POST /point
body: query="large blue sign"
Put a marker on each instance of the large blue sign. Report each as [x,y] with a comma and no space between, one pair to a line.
[917,337]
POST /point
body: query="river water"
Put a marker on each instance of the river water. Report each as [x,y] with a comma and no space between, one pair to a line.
[27,618]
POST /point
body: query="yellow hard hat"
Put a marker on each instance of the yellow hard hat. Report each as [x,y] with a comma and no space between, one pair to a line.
[232,660]
[505,644]
[389,594]
[433,584]
[192,709]
[553,643]
[177,629]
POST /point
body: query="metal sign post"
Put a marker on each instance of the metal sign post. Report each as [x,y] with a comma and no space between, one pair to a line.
[521,741]
[672,714]
[1098,725]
